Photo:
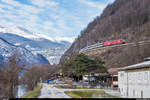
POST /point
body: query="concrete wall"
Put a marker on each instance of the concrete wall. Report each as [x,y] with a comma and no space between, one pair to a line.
[122,83]
[134,84]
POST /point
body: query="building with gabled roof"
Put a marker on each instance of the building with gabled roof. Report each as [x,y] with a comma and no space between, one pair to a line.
[113,72]
[134,80]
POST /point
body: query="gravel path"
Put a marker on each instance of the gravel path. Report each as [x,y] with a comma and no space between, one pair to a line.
[49,91]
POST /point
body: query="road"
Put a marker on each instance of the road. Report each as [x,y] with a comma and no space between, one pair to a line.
[49,91]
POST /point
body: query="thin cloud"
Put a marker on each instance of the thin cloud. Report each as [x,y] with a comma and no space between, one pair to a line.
[44,3]
[50,18]
[99,6]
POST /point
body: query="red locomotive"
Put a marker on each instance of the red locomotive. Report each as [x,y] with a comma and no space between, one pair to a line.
[100,45]
[114,42]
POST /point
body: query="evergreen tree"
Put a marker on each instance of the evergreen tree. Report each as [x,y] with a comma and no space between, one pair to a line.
[68,68]
[82,65]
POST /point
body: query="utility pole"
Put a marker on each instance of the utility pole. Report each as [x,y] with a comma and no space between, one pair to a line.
[40,80]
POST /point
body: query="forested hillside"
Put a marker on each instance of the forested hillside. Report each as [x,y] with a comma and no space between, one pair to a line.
[125,19]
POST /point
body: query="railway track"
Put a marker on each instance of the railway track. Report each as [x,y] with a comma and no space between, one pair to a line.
[96,47]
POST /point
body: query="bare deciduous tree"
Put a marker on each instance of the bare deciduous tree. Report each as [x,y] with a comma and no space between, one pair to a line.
[33,75]
[9,77]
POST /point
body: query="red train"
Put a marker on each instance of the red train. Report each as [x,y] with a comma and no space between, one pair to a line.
[114,42]
[99,45]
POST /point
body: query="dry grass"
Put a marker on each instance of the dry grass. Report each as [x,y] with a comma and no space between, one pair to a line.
[82,94]
[71,87]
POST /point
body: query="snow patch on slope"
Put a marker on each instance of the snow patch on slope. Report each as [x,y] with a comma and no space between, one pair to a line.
[34,36]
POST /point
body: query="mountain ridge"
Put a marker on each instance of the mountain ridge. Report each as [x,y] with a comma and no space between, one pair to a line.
[27,34]
[123,19]
[52,50]
[7,50]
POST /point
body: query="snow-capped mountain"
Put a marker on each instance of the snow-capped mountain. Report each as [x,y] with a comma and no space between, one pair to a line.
[31,44]
[19,31]
[53,54]
[28,34]
[51,49]
[28,58]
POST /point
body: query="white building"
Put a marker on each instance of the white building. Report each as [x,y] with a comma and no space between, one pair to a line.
[134,80]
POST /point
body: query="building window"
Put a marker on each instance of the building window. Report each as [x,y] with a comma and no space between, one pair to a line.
[115,78]
[139,78]
[141,94]
[133,93]
[146,77]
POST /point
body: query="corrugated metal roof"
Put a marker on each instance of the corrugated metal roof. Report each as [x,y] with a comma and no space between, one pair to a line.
[146,59]
[139,65]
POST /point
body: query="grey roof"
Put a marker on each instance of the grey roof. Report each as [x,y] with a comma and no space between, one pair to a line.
[139,65]
[146,59]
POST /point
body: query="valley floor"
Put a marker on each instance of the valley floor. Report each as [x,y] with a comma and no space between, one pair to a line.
[49,91]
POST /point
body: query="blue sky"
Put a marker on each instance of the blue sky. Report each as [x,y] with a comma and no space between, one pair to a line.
[60,19]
